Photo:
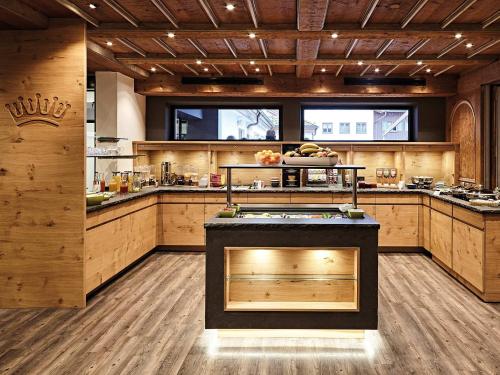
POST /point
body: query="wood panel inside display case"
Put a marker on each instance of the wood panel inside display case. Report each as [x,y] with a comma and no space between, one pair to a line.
[291,279]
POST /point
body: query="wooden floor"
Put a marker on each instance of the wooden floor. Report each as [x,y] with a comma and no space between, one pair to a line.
[151,321]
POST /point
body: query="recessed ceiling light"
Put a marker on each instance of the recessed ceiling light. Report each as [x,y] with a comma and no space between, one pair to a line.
[252,35]
[205,69]
[360,62]
[428,70]
[170,34]
[469,45]
[257,69]
[419,62]
[252,62]
[458,36]
[335,35]
[153,69]
[109,43]
[323,70]
[377,70]
[199,62]
[92,6]
[230,7]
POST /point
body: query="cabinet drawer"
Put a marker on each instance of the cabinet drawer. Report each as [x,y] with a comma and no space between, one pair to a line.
[182,198]
[311,198]
[222,197]
[473,218]
[268,198]
[443,207]
[366,198]
[468,253]
[398,199]
[342,198]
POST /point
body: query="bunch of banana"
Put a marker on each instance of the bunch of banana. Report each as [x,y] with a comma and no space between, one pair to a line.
[311,150]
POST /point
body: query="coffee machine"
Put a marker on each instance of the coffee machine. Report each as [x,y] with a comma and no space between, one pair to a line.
[167,177]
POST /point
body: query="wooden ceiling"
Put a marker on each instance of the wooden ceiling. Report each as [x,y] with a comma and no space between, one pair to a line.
[277,37]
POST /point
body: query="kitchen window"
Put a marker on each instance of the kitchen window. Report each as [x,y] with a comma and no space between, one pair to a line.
[226,123]
[344,128]
[361,128]
[356,123]
[327,127]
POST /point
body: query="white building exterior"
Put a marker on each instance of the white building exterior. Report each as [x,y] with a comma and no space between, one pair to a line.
[340,124]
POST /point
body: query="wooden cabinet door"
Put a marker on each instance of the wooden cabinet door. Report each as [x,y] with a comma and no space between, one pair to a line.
[183,224]
[398,225]
[426,227]
[441,237]
[468,251]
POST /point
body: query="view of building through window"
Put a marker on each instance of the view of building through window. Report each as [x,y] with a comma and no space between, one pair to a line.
[356,124]
[227,124]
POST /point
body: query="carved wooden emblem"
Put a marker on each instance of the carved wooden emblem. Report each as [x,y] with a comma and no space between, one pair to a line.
[37,110]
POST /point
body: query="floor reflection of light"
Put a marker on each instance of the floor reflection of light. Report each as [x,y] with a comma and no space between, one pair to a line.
[297,347]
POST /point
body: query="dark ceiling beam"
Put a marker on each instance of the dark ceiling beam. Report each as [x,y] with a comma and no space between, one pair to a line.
[79,12]
[451,47]
[165,46]
[252,9]
[416,47]
[383,47]
[198,47]
[209,12]
[107,58]
[368,12]
[344,31]
[127,43]
[166,12]
[122,12]
[25,12]
[320,60]
[491,19]
[457,12]
[413,12]
[311,15]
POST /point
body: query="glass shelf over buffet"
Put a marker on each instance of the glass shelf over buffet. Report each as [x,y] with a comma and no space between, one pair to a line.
[353,168]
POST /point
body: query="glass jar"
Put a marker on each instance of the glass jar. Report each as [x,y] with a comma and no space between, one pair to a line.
[136,182]
[124,183]
[114,183]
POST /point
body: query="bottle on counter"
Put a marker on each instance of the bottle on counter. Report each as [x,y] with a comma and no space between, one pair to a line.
[96,184]
[136,182]
[124,183]
[130,181]
[114,183]
[102,183]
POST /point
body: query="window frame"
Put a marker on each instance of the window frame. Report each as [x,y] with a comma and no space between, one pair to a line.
[174,108]
[411,118]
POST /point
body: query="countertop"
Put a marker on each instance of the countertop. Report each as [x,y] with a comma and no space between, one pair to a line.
[121,198]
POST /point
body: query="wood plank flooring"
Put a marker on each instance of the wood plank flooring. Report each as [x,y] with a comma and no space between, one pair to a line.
[150,321]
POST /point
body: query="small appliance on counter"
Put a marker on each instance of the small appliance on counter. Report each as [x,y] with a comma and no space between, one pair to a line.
[316,177]
[167,178]
[215,180]
[422,182]
[275,182]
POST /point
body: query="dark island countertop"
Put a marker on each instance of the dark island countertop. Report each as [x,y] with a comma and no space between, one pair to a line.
[122,198]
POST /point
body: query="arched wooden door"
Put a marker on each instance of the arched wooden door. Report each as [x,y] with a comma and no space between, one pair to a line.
[463,131]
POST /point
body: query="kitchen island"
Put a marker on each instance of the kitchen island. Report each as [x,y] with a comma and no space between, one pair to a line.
[292,267]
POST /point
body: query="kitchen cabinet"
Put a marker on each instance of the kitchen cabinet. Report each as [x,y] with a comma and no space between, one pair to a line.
[182,224]
[311,198]
[468,253]
[441,237]
[398,225]
[269,198]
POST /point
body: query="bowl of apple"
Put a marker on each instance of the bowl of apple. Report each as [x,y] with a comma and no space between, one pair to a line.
[268,157]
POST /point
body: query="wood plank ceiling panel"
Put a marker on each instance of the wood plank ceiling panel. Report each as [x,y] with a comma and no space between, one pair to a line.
[479,11]
[247,46]
[346,11]
[281,46]
[333,46]
[311,17]
[239,15]
[50,8]
[391,11]
[187,11]
[436,11]
[103,13]
[115,48]
[277,11]
[216,46]
[400,46]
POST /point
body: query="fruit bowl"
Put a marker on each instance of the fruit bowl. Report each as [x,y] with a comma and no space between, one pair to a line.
[268,157]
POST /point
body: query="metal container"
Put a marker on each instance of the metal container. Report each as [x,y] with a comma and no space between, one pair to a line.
[167,177]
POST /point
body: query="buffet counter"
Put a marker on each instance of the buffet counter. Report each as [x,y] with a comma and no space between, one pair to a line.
[463,239]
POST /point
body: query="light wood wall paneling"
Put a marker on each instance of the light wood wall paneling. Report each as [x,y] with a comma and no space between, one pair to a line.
[42,179]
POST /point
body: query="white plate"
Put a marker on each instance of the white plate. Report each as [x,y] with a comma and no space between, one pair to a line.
[310,160]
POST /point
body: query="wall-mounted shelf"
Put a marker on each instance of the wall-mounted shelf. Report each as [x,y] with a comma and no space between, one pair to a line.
[115,156]
[110,139]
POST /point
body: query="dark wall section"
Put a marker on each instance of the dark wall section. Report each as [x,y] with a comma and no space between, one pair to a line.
[429,113]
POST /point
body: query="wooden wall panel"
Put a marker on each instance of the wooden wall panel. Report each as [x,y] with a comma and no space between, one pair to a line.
[42,168]
[463,132]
